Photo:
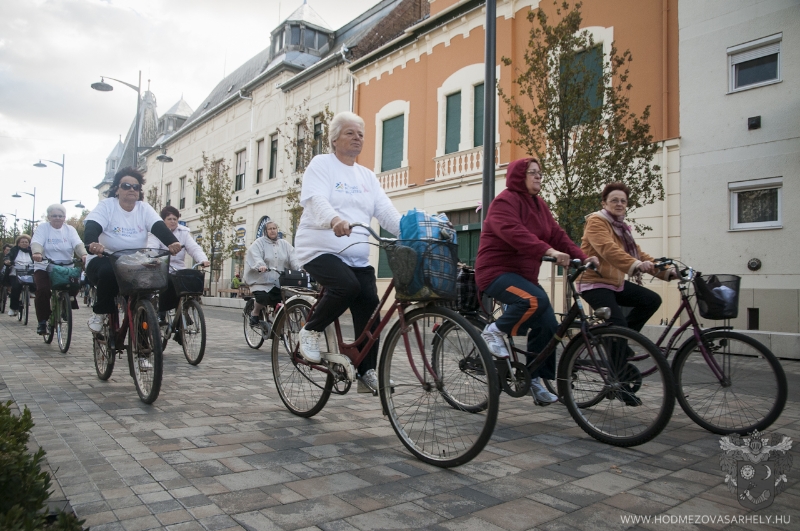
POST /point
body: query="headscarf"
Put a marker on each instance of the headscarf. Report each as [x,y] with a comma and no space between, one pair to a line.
[623,230]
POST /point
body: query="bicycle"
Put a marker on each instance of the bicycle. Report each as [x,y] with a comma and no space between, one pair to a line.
[25,277]
[141,275]
[187,319]
[256,335]
[59,323]
[3,298]
[418,379]
[726,382]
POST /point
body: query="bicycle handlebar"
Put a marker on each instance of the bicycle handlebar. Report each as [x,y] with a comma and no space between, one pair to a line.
[574,263]
[685,274]
[374,234]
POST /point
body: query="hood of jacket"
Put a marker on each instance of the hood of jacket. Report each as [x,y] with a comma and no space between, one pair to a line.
[515,175]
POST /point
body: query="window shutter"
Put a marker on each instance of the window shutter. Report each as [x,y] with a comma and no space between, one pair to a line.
[392,148]
[383,263]
[749,55]
[477,137]
[452,136]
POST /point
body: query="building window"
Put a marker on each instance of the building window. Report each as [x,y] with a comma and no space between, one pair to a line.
[260,161]
[241,165]
[467,223]
[452,136]
[295,35]
[168,194]
[477,116]
[585,75]
[182,190]
[301,146]
[317,148]
[273,156]
[198,187]
[277,43]
[755,64]
[310,38]
[392,143]
[756,204]
[383,262]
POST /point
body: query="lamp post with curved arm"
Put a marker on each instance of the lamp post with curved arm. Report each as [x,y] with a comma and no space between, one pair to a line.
[102,86]
[40,164]
[33,195]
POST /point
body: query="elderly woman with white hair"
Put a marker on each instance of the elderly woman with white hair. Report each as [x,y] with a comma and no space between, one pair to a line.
[337,192]
[58,242]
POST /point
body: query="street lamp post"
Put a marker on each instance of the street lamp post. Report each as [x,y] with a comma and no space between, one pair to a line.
[40,164]
[33,195]
[102,86]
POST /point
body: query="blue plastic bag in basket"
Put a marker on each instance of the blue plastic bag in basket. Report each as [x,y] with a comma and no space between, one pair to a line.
[434,240]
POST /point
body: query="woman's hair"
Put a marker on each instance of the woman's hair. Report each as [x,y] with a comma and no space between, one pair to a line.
[7,246]
[126,172]
[268,223]
[22,237]
[56,207]
[610,187]
[338,123]
[170,210]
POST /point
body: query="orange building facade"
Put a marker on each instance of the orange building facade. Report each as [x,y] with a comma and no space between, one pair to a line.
[423,78]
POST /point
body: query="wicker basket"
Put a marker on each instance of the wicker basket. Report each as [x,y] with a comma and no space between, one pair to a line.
[140,270]
[717,296]
[188,281]
[424,270]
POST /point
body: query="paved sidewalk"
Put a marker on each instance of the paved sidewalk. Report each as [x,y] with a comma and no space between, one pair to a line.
[219,451]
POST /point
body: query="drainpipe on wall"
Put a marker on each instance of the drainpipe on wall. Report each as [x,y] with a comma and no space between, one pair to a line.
[343,51]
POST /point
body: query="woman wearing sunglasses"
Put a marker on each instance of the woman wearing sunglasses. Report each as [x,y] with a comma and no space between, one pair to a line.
[120,222]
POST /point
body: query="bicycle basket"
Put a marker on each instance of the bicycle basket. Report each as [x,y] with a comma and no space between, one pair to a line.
[188,281]
[25,275]
[423,270]
[64,278]
[141,270]
[717,296]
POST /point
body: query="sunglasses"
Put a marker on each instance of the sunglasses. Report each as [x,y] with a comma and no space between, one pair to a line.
[129,186]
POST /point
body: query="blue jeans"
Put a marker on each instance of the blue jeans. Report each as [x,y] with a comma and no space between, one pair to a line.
[527,308]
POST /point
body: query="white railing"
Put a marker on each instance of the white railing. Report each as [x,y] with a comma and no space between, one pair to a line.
[394,179]
[461,163]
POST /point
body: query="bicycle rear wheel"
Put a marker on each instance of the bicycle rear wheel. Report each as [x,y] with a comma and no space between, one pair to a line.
[303,389]
[64,322]
[605,392]
[752,394]
[104,355]
[193,332]
[144,352]
[3,298]
[444,421]
[166,329]
[252,334]
[24,306]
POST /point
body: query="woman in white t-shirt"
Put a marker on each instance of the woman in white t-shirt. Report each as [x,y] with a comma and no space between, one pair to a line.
[58,242]
[18,258]
[120,222]
[336,192]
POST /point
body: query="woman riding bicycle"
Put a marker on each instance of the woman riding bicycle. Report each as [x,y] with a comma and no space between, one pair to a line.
[336,192]
[607,237]
[58,242]
[120,222]
[168,300]
[266,252]
[518,231]
[19,257]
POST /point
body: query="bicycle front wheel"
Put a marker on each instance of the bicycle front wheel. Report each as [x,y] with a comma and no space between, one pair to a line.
[304,389]
[144,352]
[444,420]
[3,298]
[252,334]
[24,306]
[193,332]
[64,322]
[604,390]
[752,390]
[104,355]
[165,328]
[52,321]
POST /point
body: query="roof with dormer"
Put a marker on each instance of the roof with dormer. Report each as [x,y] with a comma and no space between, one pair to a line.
[181,109]
[304,13]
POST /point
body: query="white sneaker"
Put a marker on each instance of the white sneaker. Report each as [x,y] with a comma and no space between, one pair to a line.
[11,313]
[495,340]
[95,322]
[144,364]
[540,392]
[368,382]
[309,345]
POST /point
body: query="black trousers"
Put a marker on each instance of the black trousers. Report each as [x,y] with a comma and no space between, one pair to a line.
[100,274]
[346,287]
[16,291]
[268,298]
[642,301]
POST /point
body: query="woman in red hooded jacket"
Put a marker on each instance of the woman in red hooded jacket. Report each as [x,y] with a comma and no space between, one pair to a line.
[518,231]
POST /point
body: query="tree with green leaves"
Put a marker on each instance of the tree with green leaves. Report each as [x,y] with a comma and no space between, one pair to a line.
[304,136]
[572,111]
[214,187]
[77,222]
[153,197]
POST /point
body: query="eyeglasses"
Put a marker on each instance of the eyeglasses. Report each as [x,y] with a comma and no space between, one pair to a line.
[535,173]
[618,201]
[129,186]
[57,216]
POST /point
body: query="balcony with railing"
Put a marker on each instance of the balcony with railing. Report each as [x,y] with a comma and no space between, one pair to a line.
[463,163]
[394,179]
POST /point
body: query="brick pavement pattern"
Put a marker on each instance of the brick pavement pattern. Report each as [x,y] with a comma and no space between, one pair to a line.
[219,451]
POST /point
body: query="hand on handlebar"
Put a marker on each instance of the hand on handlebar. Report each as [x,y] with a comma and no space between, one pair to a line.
[561,259]
[35,255]
[175,248]
[647,267]
[341,227]
[96,248]
[261,269]
[592,263]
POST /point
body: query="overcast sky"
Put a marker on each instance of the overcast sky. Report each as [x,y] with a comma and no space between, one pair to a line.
[51,51]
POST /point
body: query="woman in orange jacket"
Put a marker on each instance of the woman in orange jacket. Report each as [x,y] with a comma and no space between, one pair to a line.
[609,238]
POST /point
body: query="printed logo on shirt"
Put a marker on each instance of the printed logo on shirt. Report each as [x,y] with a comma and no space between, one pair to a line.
[347,188]
[126,232]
